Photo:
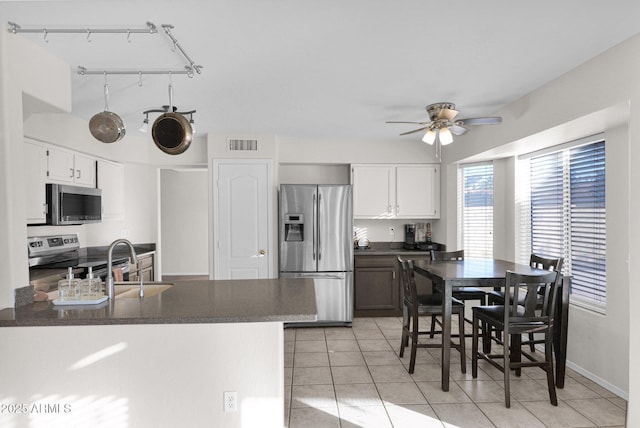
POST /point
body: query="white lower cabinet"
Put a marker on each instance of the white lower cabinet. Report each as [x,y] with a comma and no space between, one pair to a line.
[409,191]
[111,181]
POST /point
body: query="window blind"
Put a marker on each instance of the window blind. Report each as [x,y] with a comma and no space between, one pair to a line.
[568,216]
[588,222]
[547,196]
[477,210]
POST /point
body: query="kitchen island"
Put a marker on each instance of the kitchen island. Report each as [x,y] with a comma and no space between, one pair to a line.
[162,361]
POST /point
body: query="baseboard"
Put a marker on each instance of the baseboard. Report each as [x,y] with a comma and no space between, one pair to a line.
[592,377]
[603,383]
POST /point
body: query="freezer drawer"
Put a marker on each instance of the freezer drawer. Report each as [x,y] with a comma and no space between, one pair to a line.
[334,295]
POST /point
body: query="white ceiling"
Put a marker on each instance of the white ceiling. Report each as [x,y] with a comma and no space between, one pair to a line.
[331,69]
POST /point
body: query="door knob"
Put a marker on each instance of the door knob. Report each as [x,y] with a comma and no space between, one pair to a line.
[263,252]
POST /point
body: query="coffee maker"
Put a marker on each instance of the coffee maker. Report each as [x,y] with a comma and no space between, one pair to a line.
[417,236]
[410,237]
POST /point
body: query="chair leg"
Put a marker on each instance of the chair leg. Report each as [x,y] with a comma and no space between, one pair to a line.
[548,355]
[463,357]
[532,345]
[486,338]
[404,342]
[474,347]
[433,326]
[507,371]
[414,343]
[516,351]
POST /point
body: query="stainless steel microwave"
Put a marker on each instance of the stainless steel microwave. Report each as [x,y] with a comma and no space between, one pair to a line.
[73,204]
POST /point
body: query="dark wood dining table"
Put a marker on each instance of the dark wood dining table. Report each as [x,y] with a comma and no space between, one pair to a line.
[490,273]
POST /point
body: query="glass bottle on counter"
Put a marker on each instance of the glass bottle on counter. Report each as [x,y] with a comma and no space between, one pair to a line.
[89,288]
[67,287]
[95,285]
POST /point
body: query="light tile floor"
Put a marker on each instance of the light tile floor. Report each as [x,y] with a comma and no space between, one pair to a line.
[353,377]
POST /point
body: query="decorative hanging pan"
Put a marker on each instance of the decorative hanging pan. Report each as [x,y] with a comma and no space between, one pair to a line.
[171,131]
[107,126]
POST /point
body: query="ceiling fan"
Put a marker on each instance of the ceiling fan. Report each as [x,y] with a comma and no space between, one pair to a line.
[443,125]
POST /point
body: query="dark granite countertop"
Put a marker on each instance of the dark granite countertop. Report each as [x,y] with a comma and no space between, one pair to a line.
[389,252]
[388,249]
[217,301]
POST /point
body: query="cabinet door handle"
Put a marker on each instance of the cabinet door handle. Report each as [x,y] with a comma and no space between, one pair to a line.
[397,209]
[45,208]
[72,172]
[393,275]
[79,174]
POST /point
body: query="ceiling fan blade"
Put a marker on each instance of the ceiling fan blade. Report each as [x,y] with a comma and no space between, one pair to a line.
[415,130]
[458,129]
[447,113]
[416,123]
[479,121]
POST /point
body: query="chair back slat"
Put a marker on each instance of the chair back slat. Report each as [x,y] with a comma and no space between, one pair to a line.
[545,263]
[407,277]
[517,283]
[447,255]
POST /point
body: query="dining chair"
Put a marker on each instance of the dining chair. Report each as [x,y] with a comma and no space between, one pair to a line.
[513,320]
[496,297]
[461,293]
[414,305]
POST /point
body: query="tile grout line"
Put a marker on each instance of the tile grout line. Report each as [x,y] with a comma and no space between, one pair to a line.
[387,340]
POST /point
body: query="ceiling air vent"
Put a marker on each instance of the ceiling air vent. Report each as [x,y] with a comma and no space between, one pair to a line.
[242,145]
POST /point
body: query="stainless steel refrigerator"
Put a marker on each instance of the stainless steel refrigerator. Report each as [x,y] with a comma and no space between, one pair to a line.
[316,241]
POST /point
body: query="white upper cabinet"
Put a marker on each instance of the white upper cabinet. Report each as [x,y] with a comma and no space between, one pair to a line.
[64,166]
[409,191]
[35,174]
[45,163]
[418,191]
[373,191]
[111,181]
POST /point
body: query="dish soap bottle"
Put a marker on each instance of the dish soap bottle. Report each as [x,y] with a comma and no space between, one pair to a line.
[67,287]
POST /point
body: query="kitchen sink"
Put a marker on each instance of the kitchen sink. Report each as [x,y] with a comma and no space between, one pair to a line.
[131,290]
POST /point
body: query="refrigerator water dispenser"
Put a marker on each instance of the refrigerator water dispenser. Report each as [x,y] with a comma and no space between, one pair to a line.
[294,227]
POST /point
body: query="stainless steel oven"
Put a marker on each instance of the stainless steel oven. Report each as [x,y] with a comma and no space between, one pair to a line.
[51,256]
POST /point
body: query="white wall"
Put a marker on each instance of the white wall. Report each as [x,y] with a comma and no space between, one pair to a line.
[595,97]
[184,218]
[145,375]
[24,68]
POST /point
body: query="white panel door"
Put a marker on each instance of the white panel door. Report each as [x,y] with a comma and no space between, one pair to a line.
[241,220]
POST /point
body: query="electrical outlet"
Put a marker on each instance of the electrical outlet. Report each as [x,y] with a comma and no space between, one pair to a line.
[230,399]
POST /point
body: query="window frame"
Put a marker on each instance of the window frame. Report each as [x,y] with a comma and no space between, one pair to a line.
[472,251]
[566,151]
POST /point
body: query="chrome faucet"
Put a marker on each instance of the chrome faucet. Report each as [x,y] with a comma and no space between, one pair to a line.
[132,256]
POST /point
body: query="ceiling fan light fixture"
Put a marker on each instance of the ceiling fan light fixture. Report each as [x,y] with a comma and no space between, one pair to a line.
[445,136]
[429,137]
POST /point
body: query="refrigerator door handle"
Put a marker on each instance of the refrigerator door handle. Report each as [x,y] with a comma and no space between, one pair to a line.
[320,214]
[314,220]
